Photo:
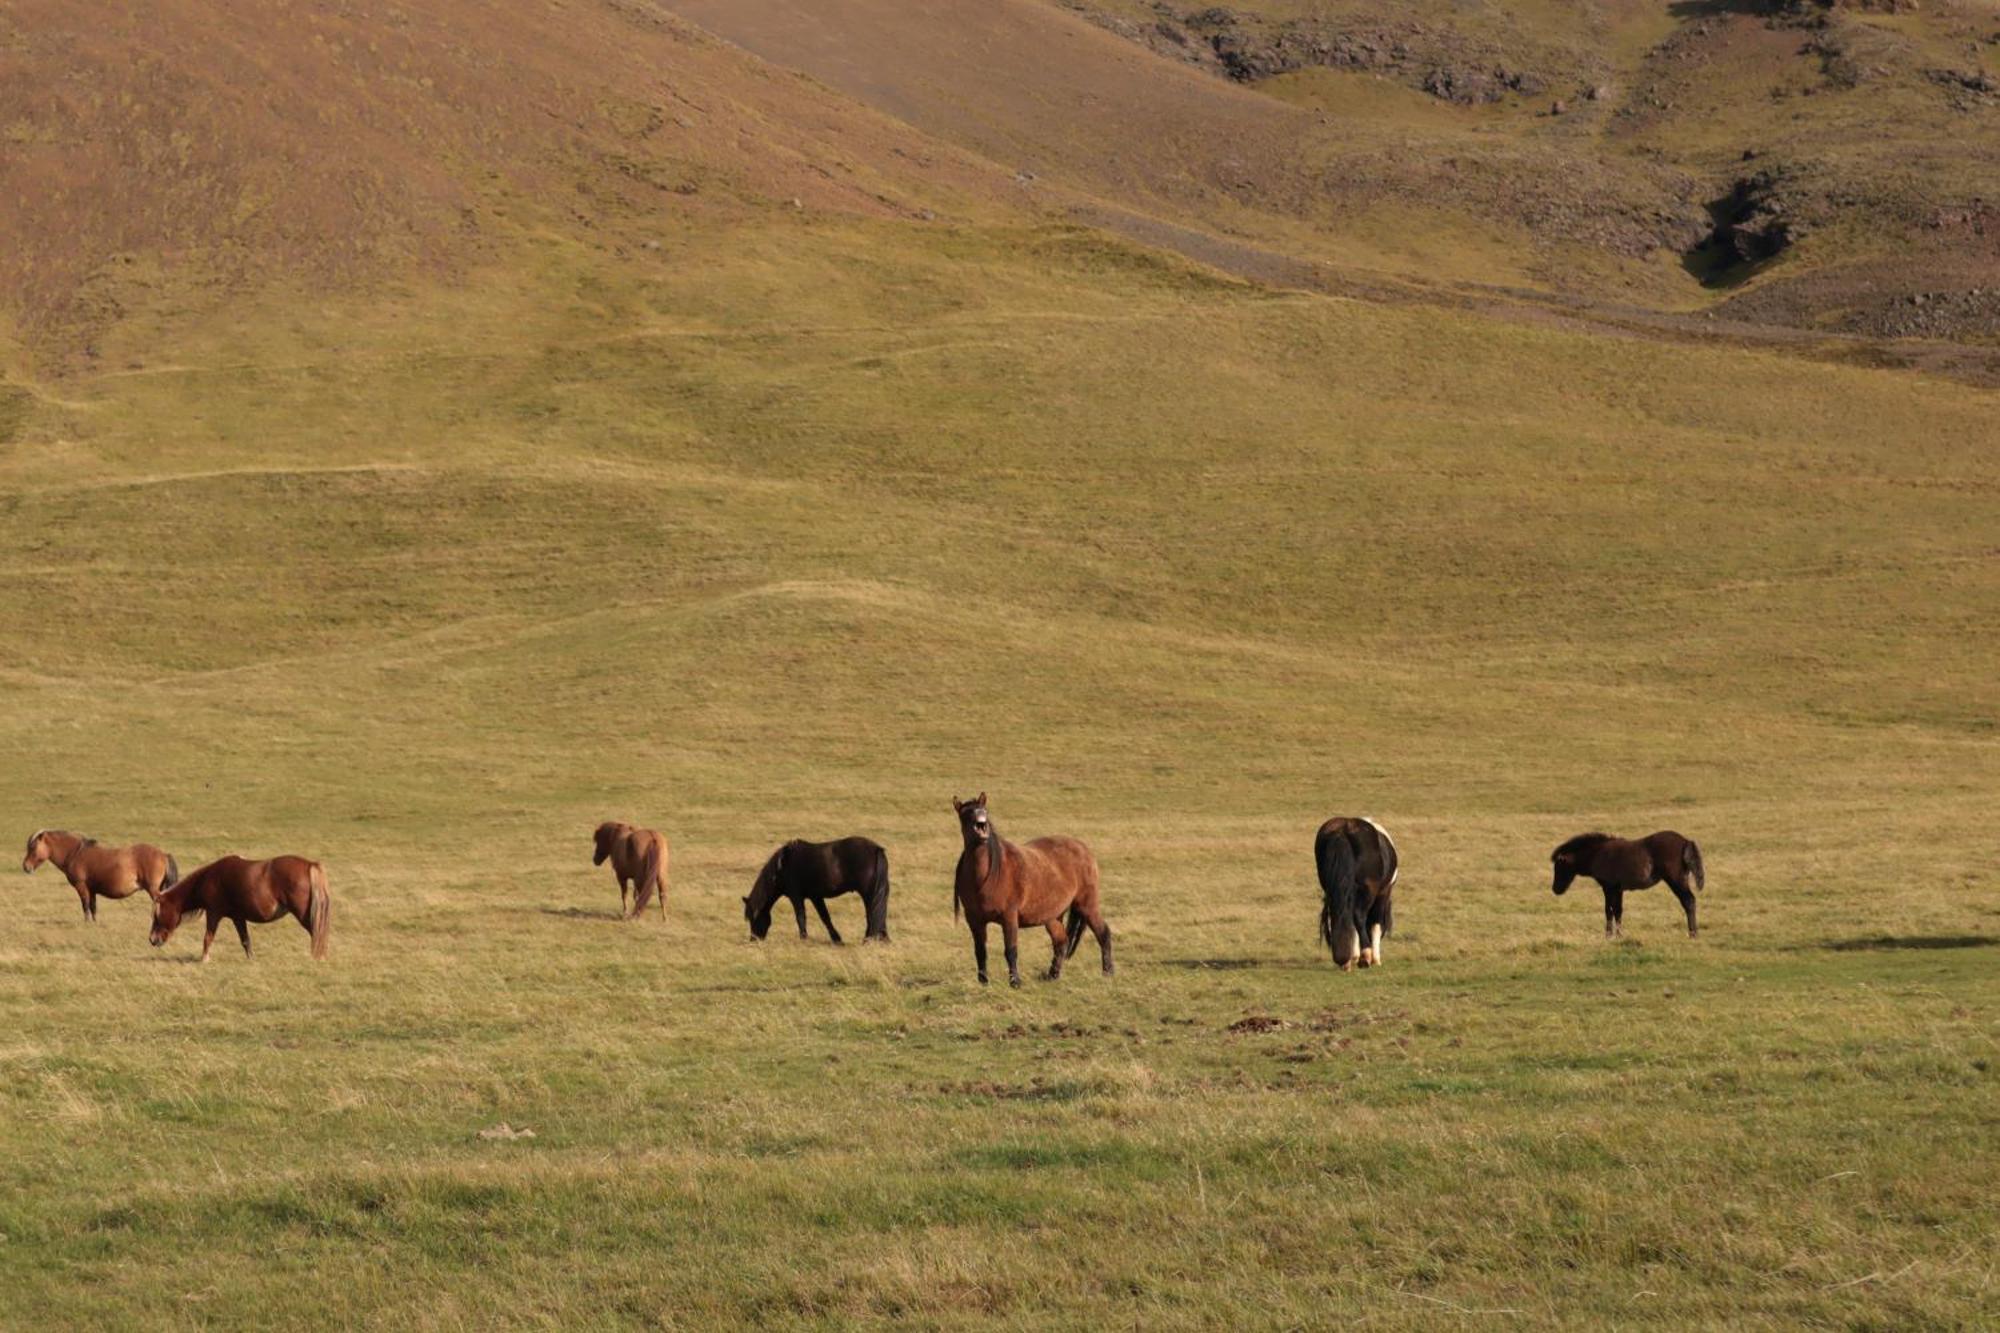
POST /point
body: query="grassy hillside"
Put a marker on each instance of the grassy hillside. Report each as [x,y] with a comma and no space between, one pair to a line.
[801,526]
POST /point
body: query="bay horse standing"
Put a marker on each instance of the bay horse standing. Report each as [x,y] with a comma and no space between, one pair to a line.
[815,871]
[1048,882]
[638,857]
[1357,872]
[1621,866]
[243,891]
[96,871]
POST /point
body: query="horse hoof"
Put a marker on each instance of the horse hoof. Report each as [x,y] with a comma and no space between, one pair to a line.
[1367,958]
[1015,982]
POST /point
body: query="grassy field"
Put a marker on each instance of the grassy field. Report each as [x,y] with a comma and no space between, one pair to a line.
[801,527]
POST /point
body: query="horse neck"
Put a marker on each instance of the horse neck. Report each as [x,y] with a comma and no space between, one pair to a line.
[62,846]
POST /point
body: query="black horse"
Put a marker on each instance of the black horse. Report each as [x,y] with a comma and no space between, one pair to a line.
[1621,866]
[1357,870]
[817,871]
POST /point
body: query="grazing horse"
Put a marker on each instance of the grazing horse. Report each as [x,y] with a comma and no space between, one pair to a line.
[1621,866]
[96,871]
[815,871]
[245,891]
[1357,871]
[638,857]
[1025,884]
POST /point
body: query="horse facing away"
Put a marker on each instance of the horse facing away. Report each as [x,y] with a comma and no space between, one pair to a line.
[244,891]
[1357,871]
[96,871]
[1621,866]
[1048,882]
[638,857]
[815,871]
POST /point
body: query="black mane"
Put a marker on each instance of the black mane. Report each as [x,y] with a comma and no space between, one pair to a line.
[1583,844]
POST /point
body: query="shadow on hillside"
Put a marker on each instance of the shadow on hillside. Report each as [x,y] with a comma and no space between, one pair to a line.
[1876,942]
[1702,9]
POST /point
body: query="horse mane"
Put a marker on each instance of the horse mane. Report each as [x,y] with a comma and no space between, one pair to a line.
[766,882]
[1583,844]
[995,852]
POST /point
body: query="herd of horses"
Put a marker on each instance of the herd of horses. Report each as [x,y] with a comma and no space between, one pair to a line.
[1048,882]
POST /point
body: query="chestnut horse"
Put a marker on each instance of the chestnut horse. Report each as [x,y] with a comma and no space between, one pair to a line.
[1026,884]
[638,857]
[1621,866]
[245,891]
[1357,871]
[96,871]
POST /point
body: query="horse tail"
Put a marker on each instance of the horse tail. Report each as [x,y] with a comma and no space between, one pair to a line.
[1692,854]
[878,897]
[651,878]
[1339,886]
[1073,923]
[319,909]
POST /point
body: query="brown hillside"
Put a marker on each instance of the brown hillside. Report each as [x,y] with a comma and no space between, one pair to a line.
[212,142]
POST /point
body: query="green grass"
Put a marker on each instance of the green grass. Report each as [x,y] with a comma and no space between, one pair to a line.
[799,531]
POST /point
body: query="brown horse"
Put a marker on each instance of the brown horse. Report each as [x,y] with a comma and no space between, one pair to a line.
[638,857]
[96,871]
[1357,874]
[245,891]
[1621,866]
[1028,884]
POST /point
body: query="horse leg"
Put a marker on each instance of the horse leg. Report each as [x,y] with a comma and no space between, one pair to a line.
[83,900]
[660,888]
[208,935]
[1102,929]
[243,933]
[826,920]
[1010,935]
[979,947]
[1686,895]
[799,910]
[1059,940]
[1614,913]
[624,907]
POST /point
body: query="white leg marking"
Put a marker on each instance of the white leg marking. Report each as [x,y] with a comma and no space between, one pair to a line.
[1376,932]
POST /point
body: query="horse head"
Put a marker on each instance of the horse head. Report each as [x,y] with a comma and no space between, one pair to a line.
[166,915]
[1573,858]
[606,834]
[763,893]
[973,820]
[37,852]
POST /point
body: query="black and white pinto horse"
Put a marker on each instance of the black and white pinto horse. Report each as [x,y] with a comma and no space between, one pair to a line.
[1357,871]
[815,871]
[1624,865]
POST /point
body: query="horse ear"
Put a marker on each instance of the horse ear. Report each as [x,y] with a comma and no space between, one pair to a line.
[957,804]
[981,800]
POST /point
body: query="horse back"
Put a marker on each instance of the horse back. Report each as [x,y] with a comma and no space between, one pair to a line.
[848,865]
[1053,873]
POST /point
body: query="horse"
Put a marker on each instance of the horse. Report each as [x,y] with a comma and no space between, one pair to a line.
[638,857]
[1621,866]
[1048,882]
[1357,872]
[816,871]
[245,891]
[96,871]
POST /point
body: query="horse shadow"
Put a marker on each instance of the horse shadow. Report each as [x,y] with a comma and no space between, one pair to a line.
[1873,943]
[584,913]
[1240,964]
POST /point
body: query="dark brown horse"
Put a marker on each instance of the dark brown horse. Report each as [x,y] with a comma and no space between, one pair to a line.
[1048,882]
[1357,871]
[1621,866]
[815,871]
[638,857]
[244,891]
[96,871]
